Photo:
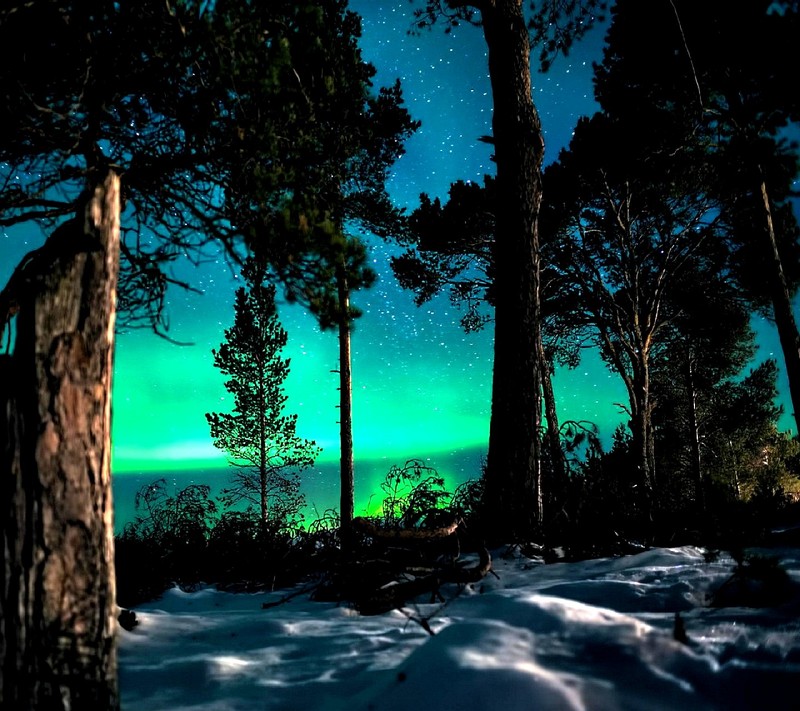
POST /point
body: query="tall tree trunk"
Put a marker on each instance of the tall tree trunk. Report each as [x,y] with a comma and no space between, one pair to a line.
[642,441]
[262,453]
[345,408]
[514,448]
[557,484]
[782,309]
[57,604]
[262,482]
[694,434]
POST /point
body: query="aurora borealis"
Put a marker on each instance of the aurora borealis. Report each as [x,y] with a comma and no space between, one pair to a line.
[421,386]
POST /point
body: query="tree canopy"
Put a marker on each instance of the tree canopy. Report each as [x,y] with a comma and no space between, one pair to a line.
[211,113]
[713,88]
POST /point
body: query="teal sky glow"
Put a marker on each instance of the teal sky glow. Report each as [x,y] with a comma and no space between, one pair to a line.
[421,386]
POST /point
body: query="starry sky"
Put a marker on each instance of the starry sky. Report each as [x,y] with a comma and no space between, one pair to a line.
[421,386]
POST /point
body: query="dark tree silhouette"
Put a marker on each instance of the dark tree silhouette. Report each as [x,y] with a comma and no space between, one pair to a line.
[107,83]
[451,249]
[166,94]
[309,226]
[513,494]
[749,456]
[259,437]
[632,227]
[704,349]
[723,79]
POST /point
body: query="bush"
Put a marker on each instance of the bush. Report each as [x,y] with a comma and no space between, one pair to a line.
[166,543]
[411,494]
[182,540]
[757,581]
[244,550]
[467,505]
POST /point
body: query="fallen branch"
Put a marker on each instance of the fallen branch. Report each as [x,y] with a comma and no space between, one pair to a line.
[290,596]
[395,595]
[366,526]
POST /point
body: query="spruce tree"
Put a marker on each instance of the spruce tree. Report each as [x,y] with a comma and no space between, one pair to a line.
[259,437]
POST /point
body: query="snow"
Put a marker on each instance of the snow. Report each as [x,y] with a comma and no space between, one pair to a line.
[594,635]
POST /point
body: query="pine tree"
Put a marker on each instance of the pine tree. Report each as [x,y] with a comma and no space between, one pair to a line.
[513,465]
[261,440]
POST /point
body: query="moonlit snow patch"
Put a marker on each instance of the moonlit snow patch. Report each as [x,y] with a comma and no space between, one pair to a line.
[594,635]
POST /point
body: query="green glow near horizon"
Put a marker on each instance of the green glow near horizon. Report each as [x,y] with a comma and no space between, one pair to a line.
[413,395]
[422,388]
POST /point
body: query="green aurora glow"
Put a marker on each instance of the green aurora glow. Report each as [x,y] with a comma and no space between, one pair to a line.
[421,386]
[419,390]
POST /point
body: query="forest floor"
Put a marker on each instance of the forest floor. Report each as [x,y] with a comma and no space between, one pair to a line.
[667,628]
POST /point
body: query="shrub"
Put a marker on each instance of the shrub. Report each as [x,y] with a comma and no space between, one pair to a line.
[166,542]
[413,493]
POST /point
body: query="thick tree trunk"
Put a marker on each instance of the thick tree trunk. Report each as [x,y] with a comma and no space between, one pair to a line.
[782,309]
[514,447]
[345,410]
[58,597]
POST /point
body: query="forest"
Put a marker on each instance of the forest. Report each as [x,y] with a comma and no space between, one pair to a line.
[143,135]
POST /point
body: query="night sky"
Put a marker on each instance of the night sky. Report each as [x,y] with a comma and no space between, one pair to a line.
[421,386]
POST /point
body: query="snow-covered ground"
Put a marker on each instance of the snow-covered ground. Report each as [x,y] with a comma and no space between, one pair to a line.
[594,635]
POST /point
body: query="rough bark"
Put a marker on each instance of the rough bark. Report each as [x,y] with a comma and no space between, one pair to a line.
[57,603]
[514,450]
[346,504]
